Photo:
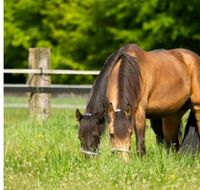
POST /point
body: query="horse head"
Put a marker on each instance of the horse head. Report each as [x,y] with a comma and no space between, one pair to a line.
[90,131]
[120,124]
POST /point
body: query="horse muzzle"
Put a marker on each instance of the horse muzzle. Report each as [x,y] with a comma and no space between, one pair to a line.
[120,150]
[125,152]
[89,153]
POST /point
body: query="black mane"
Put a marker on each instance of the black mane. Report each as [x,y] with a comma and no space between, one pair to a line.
[129,82]
[129,88]
[97,101]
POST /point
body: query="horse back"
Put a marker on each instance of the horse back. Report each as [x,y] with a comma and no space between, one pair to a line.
[168,78]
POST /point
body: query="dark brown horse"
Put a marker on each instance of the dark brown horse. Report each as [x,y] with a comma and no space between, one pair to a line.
[92,122]
[152,84]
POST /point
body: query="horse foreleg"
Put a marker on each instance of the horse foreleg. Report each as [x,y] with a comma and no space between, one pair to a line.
[140,131]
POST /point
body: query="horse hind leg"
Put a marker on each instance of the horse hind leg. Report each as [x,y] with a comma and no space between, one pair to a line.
[156,125]
[171,125]
[195,96]
[196,110]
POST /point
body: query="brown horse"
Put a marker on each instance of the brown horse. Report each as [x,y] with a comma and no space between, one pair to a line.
[152,84]
[92,122]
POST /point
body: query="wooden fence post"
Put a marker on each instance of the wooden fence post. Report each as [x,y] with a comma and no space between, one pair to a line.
[39,103]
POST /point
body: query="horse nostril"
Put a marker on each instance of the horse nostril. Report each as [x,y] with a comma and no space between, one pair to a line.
[91,147]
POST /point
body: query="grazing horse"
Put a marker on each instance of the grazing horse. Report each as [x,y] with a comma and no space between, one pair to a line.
[155,84]
[92,122]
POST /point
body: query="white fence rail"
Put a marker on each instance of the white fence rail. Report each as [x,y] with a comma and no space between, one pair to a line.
[50,72]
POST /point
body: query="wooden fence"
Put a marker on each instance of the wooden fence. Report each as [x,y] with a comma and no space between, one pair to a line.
[39,85]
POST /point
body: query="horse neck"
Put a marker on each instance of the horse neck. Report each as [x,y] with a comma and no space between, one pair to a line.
[95,104]
[124,83]
[112,89]
[97,100]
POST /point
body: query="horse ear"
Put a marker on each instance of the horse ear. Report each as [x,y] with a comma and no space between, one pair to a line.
[111,130]
[79,116]
[128,110]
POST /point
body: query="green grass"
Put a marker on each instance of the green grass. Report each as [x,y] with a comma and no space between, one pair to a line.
[46,156]
[70,99]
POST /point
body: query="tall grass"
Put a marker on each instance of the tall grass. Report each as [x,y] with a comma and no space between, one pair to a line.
[46,156]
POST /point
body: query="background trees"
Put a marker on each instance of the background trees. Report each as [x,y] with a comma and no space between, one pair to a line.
[82,34]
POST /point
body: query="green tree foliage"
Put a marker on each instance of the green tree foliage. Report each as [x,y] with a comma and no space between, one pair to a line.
[82,34]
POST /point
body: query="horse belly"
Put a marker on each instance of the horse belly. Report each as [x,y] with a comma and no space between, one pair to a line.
[167,103]
[170,88]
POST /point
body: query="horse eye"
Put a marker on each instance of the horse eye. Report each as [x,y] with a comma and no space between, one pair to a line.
[96,138]
[95,135]
[111,135]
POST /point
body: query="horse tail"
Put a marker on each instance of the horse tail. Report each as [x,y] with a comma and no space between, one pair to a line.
[191,141]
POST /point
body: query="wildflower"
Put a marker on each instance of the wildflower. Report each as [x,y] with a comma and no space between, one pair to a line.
[40,136]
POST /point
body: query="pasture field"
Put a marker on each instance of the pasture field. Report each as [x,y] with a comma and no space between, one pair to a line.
[46,156]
